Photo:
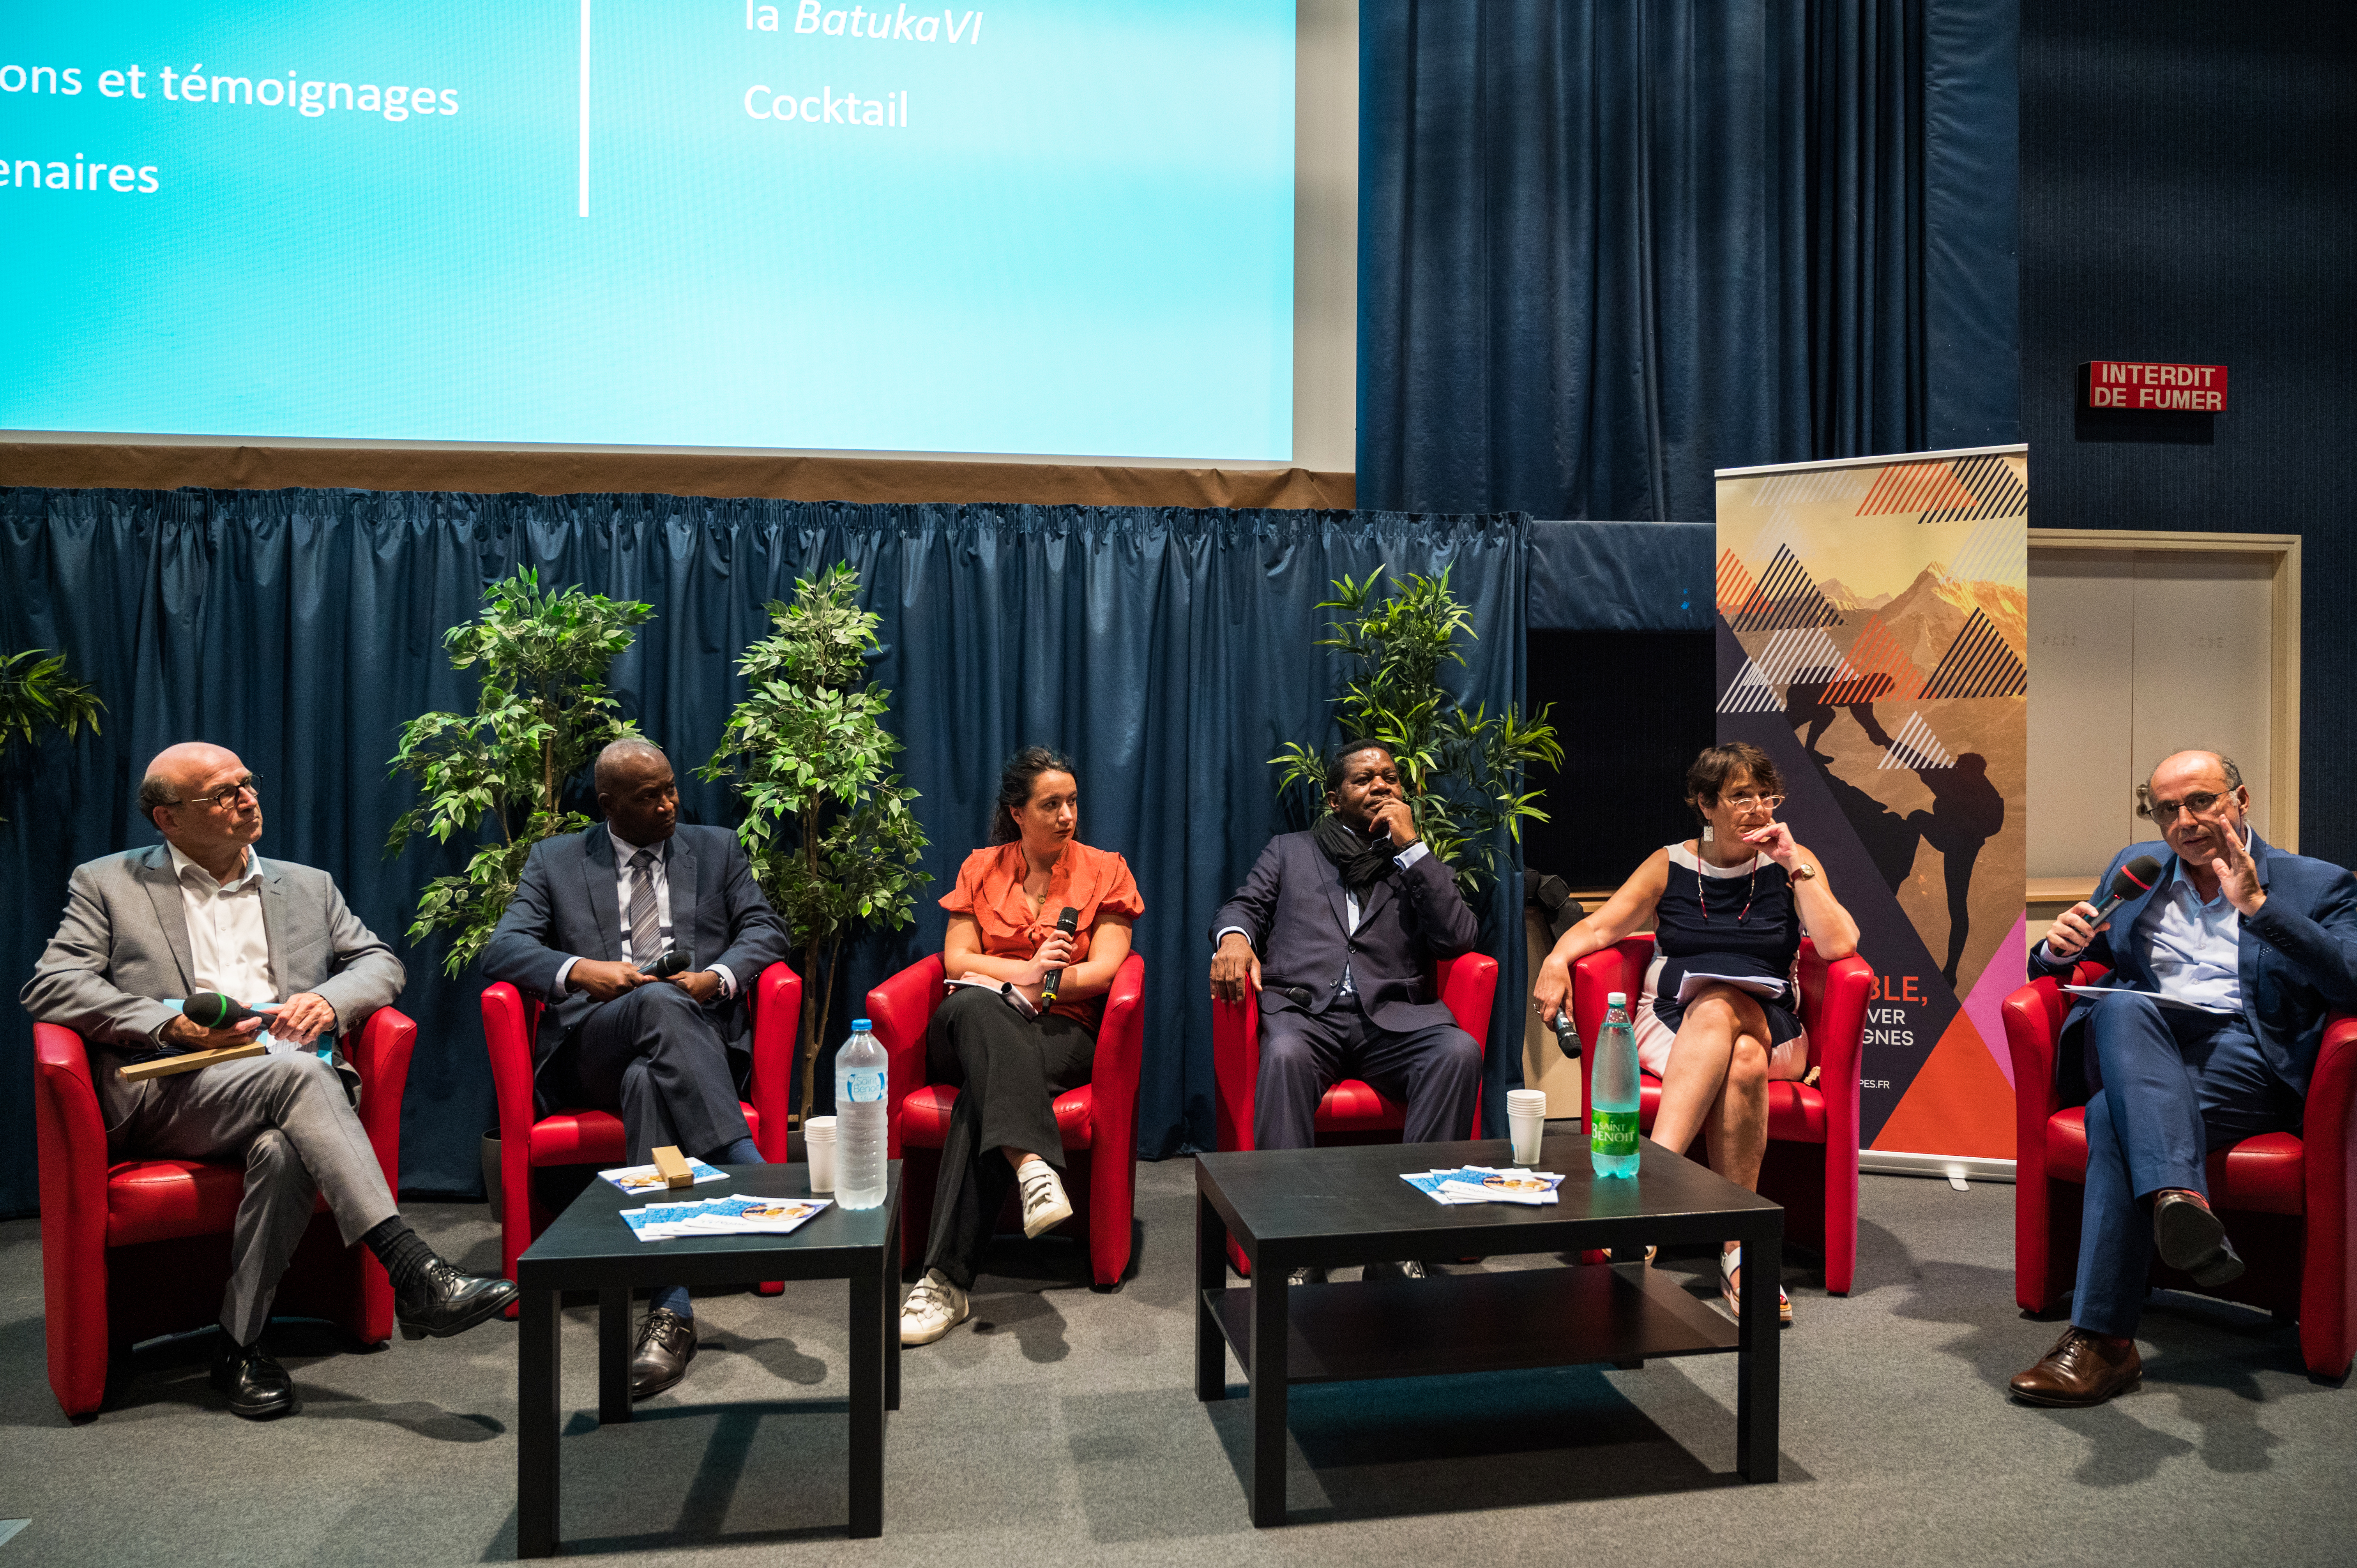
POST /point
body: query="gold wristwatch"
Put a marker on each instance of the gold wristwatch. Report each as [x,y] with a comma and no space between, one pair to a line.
[1803,871]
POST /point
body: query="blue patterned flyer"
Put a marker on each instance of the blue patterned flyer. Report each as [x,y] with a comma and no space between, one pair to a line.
[752,1216]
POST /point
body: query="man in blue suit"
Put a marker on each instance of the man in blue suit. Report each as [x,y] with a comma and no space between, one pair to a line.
[2229,964]
[1334,929]
[593,911]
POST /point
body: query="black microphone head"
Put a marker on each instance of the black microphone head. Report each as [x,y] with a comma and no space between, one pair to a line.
[1068,922]
[2136,876]
[211,1010]
[671,963]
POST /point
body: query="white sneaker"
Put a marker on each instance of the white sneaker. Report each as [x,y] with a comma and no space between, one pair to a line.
[1045,1207]
[932,1309]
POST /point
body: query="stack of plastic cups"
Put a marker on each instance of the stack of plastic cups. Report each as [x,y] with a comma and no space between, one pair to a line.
[1526,1122]
[818,1142]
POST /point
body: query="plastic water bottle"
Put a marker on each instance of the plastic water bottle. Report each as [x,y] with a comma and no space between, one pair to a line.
[861,1069]
[1612,1094]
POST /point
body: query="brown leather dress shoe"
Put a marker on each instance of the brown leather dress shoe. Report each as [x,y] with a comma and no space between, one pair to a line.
[2082,1370]
[2189,1236]
[666,1344]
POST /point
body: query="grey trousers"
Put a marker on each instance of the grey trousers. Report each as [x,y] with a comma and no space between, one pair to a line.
[1436,1071]
[286,1116]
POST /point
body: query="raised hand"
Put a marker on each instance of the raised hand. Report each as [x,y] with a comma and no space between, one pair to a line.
[2238,873]
[1396,818]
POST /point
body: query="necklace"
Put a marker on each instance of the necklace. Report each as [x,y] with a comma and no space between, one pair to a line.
[1702,892]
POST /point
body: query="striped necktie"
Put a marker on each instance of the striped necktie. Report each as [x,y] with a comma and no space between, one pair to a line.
[646,925]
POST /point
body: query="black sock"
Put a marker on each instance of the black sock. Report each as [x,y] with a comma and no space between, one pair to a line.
[403,1251]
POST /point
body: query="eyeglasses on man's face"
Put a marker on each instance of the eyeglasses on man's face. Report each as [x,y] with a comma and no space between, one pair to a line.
[2201,803]
[225,798]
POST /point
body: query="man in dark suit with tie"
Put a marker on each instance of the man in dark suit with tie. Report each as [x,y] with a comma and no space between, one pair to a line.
[1335,929]
[593,911]
[2226,968]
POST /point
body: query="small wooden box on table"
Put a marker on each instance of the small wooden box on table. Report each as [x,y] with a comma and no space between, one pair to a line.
[1336,1207]
[590,1246]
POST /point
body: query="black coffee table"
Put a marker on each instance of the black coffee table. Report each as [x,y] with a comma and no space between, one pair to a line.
[588,1247]
[1287,1208]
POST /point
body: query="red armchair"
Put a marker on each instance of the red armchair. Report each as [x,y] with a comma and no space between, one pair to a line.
[529,1141]
[1811,1161]
[2287,1198]
[131,1249]
[1100,1116]
[1468,986]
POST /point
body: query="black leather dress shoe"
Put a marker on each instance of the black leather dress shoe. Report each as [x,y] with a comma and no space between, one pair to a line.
[2189,1236]
[666,1344]
[1407,1269]
[1306,1275]
[443,1301]
[257,1387]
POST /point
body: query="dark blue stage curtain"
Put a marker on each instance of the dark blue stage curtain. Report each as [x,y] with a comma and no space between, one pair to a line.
[1605,248]
[1622,577]
[1169,651]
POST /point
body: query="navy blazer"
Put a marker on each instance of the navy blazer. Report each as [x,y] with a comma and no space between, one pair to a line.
[1292,907]
[2298,960]
[566,906]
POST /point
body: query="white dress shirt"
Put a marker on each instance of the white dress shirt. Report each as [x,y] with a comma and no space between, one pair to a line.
[2196,947]
[1403,859]
[623,889]
[229,946]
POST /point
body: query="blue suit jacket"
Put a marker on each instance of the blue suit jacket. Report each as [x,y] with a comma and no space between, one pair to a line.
[566,907]
[2298,960]
[1292,907]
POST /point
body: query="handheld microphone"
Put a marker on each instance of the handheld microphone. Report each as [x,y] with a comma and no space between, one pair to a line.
[1566,1034]
[1066,923]
[663,968]
[2136,876]
[211,1010]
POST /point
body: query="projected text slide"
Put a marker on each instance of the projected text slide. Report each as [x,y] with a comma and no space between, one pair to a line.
[1033,226]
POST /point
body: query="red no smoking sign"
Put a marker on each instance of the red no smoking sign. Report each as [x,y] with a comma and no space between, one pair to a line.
[2138,384]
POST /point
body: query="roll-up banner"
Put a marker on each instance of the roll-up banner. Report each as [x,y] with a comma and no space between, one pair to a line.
[1873,638]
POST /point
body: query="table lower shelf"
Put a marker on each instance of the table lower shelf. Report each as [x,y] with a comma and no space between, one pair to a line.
[1480,1323]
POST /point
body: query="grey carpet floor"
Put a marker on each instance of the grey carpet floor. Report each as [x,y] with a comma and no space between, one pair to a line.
[1060,1426]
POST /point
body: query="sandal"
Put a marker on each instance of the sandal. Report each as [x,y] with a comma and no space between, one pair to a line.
[1730,1262]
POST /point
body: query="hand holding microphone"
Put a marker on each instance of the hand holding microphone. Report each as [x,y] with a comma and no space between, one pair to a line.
[209,1020]
[663,968]
[2077,925]
[1065,924]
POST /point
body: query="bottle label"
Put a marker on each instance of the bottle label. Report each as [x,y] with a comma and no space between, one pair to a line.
[1612,1133]
[861,1087]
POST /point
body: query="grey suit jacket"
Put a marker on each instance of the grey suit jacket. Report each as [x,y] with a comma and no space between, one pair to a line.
[566,906]
[124,943]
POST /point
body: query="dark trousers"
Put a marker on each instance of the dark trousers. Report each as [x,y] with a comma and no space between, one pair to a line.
[1436,1071]
[1008,1071]
[2174,1084]
[657,1058]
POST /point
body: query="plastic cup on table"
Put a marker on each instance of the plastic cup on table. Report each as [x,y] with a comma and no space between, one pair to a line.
[818,1139]
[1526,1122]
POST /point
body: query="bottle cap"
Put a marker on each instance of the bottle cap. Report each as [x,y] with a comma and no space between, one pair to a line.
[1615,999]
[861,1026]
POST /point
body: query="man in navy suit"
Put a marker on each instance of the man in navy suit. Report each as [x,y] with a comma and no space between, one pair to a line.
[2229,964]
[593,910]
[1335,929]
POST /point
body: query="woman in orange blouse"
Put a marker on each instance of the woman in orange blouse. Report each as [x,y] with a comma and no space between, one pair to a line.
[1009,1059]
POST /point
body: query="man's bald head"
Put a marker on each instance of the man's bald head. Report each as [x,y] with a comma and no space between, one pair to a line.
[625,760]
[178,771]
[637,792]
[204,803]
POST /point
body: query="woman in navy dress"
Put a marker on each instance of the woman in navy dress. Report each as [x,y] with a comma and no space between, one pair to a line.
[1718,1017]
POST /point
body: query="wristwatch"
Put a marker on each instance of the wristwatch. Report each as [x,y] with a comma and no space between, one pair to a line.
[1803,871]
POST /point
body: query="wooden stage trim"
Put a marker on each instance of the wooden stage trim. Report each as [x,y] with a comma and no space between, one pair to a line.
[156,467]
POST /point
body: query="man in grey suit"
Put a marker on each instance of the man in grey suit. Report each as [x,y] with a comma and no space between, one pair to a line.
[1334,929]
[592,913]
[202,912]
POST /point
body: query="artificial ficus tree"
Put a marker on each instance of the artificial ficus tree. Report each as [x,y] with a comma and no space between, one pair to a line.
[827,824]
[541,712]
[1461,767]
